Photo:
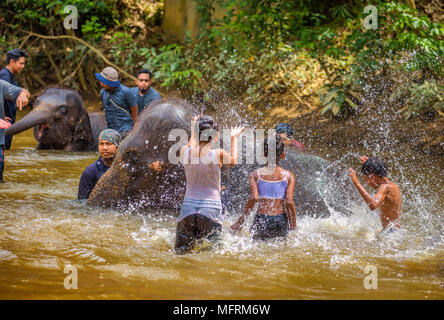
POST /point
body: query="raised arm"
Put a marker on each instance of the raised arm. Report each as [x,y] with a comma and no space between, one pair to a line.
[251,203]
[193,142]
[231,159]
[373,202]
[289,202]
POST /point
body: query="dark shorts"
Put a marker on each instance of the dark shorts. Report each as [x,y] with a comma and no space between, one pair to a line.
[266,227]
[193,228]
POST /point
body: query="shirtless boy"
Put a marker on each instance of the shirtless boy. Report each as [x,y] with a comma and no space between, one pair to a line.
[388,196]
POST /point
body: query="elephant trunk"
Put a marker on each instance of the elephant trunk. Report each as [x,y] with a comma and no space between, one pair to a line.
[32,119]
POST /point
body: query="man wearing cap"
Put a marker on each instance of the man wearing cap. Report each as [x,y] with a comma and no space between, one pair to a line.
[9,92]
[144,93]
[118,102]
[15,62]
[109,141]
[286,133]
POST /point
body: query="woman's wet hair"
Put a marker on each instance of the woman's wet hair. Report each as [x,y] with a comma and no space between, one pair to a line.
[279,148]
[206,123]
[374,166]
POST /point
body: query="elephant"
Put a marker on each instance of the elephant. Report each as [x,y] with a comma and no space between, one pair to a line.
[133,184]
[61,122]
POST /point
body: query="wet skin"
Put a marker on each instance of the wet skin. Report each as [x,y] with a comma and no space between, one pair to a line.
[143,82]
[387,198]
[107,151]
[270,206]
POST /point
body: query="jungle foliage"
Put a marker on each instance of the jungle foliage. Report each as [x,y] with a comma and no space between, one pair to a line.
[315,54]
[322,48]
[109,31]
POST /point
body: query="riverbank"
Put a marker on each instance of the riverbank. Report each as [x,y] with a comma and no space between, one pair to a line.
[373,131]
[261,74]
[369,127]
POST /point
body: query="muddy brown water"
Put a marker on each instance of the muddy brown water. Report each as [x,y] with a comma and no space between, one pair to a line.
[130,256]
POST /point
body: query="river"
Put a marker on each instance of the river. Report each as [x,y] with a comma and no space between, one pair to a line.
[130,256]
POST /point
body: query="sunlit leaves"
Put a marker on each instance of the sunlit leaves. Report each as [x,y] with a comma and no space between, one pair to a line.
[171,65]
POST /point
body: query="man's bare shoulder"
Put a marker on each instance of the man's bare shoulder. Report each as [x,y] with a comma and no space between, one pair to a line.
[392,186]
[393,191]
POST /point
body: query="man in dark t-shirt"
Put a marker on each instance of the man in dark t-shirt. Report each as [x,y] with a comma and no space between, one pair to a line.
[15,62]
[21,96]
[109,141]
[144,93]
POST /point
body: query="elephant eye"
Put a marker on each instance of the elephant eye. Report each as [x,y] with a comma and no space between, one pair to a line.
[62,109]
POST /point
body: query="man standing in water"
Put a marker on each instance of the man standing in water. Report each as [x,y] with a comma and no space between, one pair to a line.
[144,93]
[388,197]
[109,141]
[118,102]
[9,92]
[15,62]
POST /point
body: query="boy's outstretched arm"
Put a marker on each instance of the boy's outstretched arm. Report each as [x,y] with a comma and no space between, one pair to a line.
[372,202]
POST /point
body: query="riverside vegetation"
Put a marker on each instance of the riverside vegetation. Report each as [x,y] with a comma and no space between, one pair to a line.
[280,60]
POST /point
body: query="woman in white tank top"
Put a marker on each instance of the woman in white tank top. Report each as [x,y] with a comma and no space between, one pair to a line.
[201,211]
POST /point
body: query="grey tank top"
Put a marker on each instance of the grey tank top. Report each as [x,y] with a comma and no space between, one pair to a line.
[203,176]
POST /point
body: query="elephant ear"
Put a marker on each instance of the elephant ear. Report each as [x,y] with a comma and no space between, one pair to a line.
[82,139]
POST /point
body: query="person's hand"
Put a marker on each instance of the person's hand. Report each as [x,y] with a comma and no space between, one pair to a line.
[364,159]
[193,124]
[8,119]
[156,166]
[236,131]
[353,175]
[22,99]
[235,228]
[4,124]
